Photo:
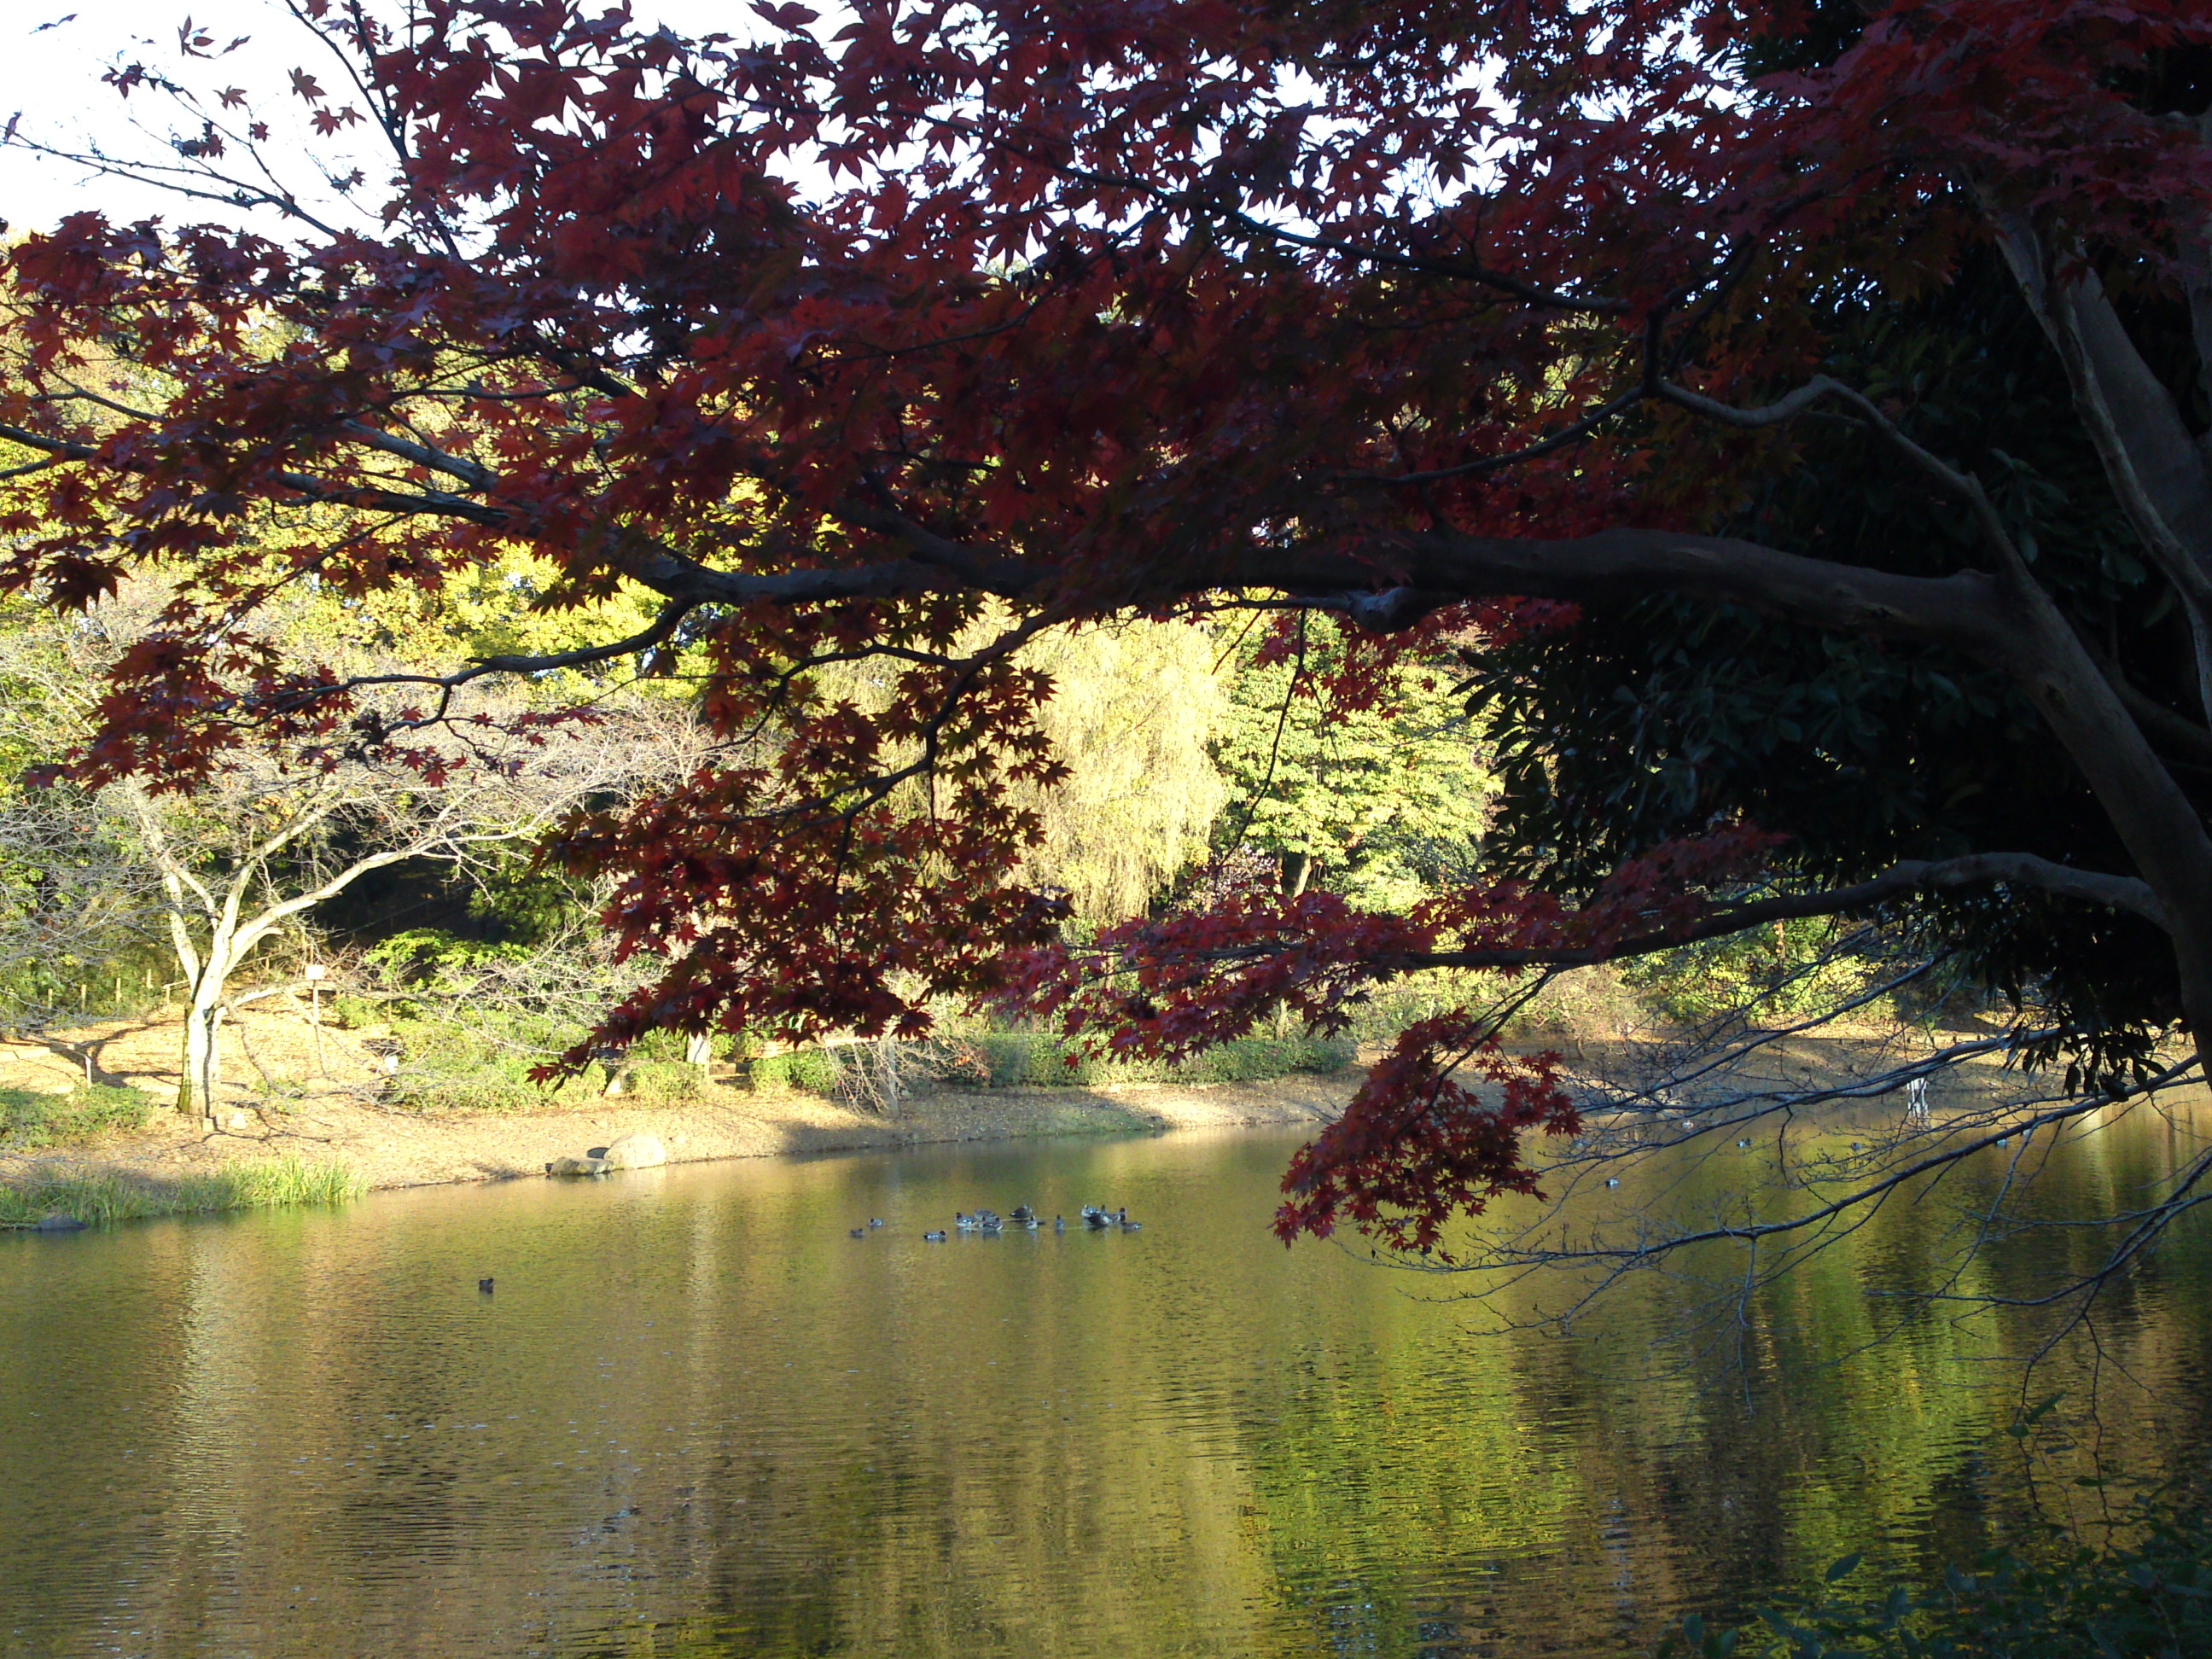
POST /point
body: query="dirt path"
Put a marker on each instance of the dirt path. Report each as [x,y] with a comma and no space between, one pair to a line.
[393,1148]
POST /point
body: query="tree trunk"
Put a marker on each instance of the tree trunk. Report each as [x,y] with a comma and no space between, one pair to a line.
[2156,823]
[198,1091]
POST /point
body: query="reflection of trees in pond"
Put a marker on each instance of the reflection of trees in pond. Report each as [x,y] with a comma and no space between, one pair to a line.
[695,1404]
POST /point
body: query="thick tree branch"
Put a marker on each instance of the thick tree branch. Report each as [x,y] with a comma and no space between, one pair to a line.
[2023,869]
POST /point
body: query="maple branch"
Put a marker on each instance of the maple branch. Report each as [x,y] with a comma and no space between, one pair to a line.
[1871,1191]
[1574,432]
[1908,876]
[474,474]
[656,632]
[1200,205]
[1968,609]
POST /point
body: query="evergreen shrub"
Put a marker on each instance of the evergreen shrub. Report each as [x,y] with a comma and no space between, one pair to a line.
[664,1080]
[798,1068]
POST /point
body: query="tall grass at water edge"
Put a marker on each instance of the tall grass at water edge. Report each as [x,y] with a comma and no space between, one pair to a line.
[98,1198]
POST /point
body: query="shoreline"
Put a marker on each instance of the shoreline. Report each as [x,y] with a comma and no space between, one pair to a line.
[384,1147]
[389,1149]
[319,1107]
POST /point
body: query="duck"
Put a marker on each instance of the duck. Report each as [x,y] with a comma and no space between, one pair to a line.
[858,1232]
[1022,1214]
[1060,1224]
[1743,1143]
[484,1286]
[935,1238]
[875,1221]
[1613,1181]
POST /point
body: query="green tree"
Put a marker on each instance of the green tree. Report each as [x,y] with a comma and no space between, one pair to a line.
[1378,802]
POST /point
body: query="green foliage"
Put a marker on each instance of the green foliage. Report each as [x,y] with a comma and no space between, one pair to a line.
[1016,1060]
[664,1080]
[810,1069]
[1384,800]
[1134,707]
[99,1199]
[1779,972]
[1651,718]
[2149,1599]
[445,1067]
[1039,1060]
[30,1121]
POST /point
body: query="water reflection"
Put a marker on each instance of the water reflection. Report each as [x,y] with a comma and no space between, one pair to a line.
[697,1417]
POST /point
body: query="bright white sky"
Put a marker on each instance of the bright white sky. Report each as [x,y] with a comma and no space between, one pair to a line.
[52,75]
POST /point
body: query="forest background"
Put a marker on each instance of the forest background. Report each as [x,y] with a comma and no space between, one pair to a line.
[424,915]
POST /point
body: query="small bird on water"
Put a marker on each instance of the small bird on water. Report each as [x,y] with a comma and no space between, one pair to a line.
[483,1286]
[858,1233]
[937,1237]
[875,1221]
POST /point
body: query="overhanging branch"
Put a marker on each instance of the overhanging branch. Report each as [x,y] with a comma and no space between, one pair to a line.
[2023,869]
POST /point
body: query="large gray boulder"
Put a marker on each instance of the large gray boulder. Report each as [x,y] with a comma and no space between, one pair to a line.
[636,1152]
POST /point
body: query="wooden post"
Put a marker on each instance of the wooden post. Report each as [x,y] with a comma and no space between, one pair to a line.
[887,1073]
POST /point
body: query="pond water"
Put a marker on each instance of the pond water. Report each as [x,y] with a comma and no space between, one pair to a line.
[697,1417]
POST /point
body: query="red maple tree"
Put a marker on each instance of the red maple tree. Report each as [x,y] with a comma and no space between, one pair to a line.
[842,335]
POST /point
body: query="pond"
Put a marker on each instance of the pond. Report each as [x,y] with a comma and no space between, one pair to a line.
[695,1417]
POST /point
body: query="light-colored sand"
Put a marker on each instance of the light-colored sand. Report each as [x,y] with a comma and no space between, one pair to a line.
[395,1147]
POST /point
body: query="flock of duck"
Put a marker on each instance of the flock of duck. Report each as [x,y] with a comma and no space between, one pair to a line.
[1023,1217]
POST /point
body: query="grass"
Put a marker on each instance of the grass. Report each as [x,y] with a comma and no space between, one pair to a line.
[31,1120]
[269,1183]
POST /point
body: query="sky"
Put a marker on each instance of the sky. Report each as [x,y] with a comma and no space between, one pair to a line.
[52,53]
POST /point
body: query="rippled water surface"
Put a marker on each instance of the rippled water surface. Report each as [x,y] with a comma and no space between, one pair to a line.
[697,1417]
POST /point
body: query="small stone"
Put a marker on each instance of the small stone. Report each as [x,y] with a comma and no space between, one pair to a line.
[635,1152]
[58,1222]
[239,1121]
[577,1166]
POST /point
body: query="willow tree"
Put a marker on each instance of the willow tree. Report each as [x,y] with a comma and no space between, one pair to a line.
[1134,711]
